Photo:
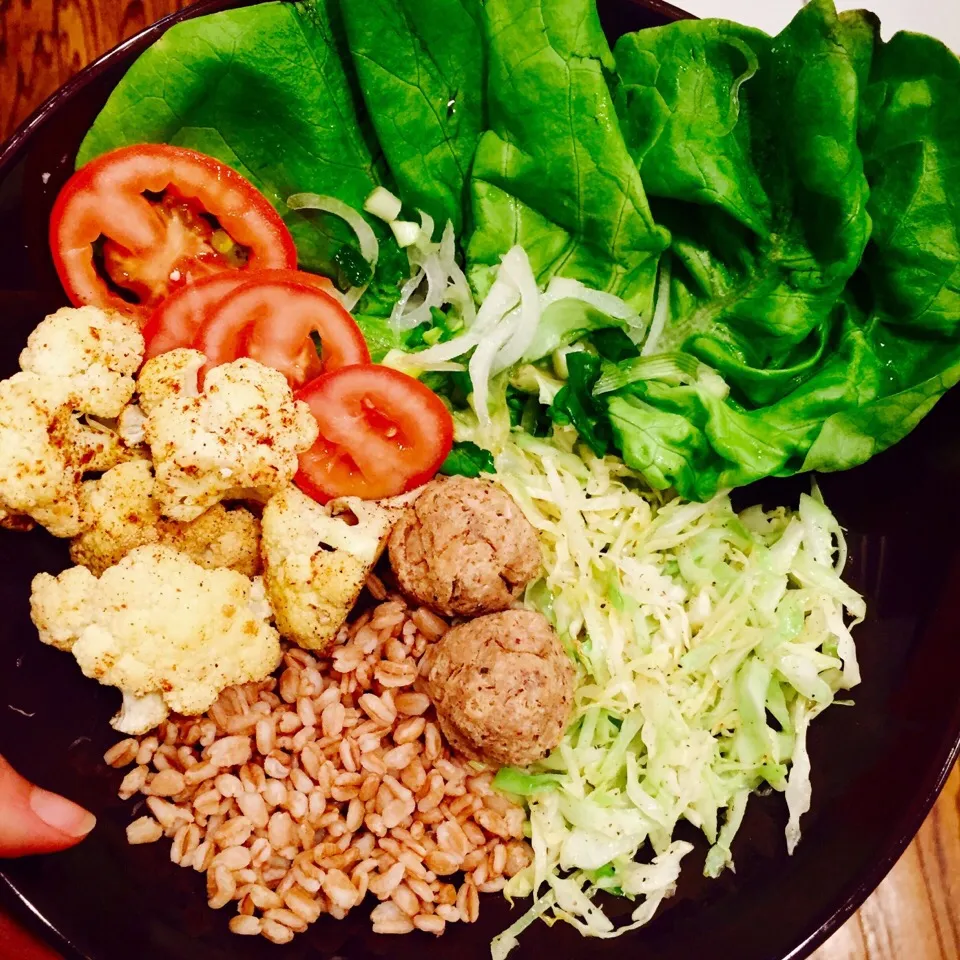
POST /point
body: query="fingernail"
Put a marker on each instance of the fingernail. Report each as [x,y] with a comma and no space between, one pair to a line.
[61,814]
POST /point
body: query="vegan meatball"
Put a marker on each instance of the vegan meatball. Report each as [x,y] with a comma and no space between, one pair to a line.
[464,548]
[502,686]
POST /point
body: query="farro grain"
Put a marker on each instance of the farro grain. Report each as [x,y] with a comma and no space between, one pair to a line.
[148,747]
[122,754]
[468,903]
[233,858]
[133,782]
[221,887]
[389,918]
[167,783]
[274,792]
[266,734]
[231,751]
[287,917]
[144,830]
[276,932]
[245,926]
[412,704]
[234,833]
[448,912]
[254,808]
[429,923]
[406,900]
[200,772]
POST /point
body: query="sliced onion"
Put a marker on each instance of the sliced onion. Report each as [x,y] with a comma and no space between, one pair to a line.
[426,226]
[400,317]
[517,266]
[369,245]
[563,288]
[661,312]
[481,363]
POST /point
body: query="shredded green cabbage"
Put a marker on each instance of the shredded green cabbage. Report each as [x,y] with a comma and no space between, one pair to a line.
[692,626]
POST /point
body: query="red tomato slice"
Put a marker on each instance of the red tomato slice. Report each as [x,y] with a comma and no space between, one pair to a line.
[272,322]
[177,320]
[151,246]
[382,433]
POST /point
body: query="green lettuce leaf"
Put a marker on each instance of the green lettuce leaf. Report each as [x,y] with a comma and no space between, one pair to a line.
[747,148]
[466,459]
[822,367]
[910,135]
[576,405]
[421,71]
[553,173]
[263,89]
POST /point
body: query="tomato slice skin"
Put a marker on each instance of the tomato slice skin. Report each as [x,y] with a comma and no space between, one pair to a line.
[177,320]
[272,321]
[105,198]
[382,433]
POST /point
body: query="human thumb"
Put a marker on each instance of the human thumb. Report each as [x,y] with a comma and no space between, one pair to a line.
[37,821]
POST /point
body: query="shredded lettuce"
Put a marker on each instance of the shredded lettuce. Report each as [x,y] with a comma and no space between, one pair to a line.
[705,641]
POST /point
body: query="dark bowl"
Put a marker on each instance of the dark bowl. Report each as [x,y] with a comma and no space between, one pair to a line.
[877,767]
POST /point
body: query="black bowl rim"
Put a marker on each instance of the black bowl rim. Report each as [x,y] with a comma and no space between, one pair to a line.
[860,888]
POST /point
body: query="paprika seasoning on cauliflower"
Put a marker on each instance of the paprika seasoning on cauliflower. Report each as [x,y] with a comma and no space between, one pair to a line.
[121,513]
[168,633]
[238,438]
[77,362]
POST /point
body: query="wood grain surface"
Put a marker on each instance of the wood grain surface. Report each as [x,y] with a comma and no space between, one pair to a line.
[914,915]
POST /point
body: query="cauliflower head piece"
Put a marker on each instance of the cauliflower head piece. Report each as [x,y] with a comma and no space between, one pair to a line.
[238,438]
[316,559]
[121,513]
[170,634]
[76,363]
[92,355]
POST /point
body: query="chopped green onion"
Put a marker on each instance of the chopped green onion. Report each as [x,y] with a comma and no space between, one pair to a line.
[383,204]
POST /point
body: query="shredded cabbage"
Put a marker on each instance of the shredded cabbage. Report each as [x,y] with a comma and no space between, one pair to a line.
[691,627]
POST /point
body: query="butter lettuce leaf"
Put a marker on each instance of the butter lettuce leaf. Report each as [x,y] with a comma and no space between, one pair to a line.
[772,159]
[421,71]
[553,173]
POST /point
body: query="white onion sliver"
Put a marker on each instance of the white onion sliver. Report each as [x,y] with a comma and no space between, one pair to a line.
[481,363]
[426,226]
[400,317]
[661,311]
[352,296]
[369,246]
[525,328]
[563,288]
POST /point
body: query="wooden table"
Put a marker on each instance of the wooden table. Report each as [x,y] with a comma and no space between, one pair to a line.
[914,915]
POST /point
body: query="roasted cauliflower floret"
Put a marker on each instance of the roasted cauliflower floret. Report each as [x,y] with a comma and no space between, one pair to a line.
[316,560]
[464,548]
[121,513]
[92,353]
[172,374]
[76,363]
[502,686]
[170,634]
[237,439]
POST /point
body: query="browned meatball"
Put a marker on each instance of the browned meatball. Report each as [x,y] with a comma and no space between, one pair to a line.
[464,548]
[502,686]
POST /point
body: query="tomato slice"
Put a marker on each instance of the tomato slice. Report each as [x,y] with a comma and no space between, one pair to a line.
[177,320]
[273,320]
[151,206]
[382,433]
